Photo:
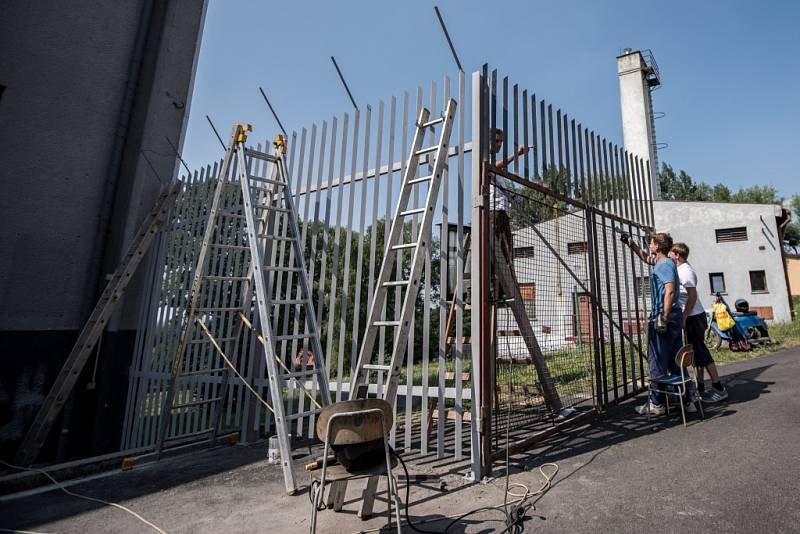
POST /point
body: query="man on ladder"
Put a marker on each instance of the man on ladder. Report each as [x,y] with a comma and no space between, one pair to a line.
[505,288]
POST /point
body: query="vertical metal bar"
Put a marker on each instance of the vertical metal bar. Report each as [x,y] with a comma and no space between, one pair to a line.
[515,112]
[583,192]
[553,172]
[575,176]
[534,127]
[601,332]
[589,183]
[646,164]
[360,249]
[505,119]
[559,179]
[344,322]
[568,171]
[374,224]
[335,267]
[481,430]
[526,167]
[543,152]
[387,222]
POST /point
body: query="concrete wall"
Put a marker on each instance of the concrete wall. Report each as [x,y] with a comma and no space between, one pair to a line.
[695,223]
[91,86]
[636,107]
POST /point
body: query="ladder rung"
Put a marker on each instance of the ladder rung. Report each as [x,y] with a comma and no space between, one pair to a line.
[395,283]
[272,208]
[303,414]
[218,309]
[412,212]
[261,155]
[224,278]
[224,213]
[195,403]
[375,367]
[267,180]
[282,269]
[206,340]
[288,337]
[427,150]
[404,245]
[264,189]
[203,372]
[189,435]
[276,237]
[232,247]
[420,180]
[386,323]
[432,123]
[297,374]
[289,301]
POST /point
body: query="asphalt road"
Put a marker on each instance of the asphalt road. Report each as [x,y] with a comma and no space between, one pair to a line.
[737,471]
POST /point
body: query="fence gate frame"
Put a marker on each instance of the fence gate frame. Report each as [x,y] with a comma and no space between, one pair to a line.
[613,193]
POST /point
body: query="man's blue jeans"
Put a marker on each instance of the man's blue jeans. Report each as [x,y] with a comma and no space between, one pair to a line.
[661,352]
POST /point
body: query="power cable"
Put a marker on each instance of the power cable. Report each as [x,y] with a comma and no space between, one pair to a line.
[60,486]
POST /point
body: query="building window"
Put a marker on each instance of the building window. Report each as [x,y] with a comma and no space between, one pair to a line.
[717,282]
[641,286]
[524,252]
[2,90]
[758,281]
[579,247]
[726,235]
[528,292]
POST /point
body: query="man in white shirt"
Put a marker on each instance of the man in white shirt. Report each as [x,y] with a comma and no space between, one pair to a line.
[695,324]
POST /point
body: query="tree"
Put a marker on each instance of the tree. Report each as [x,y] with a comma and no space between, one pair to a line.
[681,186]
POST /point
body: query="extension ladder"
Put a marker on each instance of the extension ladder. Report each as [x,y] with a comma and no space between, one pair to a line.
[265,208]
[420,247]
[93,329]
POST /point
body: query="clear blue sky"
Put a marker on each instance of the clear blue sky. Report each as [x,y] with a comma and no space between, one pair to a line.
[730,69]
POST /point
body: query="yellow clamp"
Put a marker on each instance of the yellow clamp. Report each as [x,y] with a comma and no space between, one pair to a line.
[280,144]
[241,132]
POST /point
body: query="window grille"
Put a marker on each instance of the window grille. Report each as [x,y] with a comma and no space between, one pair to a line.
[726,235]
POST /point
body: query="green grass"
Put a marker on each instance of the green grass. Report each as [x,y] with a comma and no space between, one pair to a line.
[784,336]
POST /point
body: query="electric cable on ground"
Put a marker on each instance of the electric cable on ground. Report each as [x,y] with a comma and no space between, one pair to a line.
[60,486]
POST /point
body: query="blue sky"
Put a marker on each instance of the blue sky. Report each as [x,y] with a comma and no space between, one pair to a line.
[730,69]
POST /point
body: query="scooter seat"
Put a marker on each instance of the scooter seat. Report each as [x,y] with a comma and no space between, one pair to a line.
[745,314]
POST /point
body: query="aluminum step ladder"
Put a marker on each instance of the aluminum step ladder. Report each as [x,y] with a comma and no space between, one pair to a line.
[93,328]
[359,387]
[265,209]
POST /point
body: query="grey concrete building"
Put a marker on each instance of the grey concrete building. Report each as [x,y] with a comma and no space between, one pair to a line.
[736,249]
[92,96]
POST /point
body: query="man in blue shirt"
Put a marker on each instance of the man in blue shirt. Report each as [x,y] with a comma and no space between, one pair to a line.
[664,326]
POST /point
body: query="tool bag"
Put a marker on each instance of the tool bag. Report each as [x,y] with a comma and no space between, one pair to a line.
[724,320]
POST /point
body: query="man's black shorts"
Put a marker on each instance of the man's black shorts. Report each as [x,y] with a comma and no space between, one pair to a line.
[695,335]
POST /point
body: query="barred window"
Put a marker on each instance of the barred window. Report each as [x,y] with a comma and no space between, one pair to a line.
[579,247]
[524,252]
[726,235]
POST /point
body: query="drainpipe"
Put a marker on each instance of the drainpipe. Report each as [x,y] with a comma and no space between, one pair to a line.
[786,215]
[110,190]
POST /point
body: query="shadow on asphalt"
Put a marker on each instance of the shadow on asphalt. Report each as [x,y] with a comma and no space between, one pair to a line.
[619,424]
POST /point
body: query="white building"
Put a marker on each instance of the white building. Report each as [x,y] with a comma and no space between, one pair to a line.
[736,249]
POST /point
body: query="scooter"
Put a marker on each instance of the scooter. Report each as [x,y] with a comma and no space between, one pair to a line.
[753,328]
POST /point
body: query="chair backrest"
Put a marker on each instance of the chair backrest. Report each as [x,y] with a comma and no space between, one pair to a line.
[354,421]
[685,357]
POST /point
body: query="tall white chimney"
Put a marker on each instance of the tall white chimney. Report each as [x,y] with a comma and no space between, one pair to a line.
[638,76]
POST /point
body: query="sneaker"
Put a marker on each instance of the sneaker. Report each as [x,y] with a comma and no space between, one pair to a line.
[715,395]
[690,407]
[654,409]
